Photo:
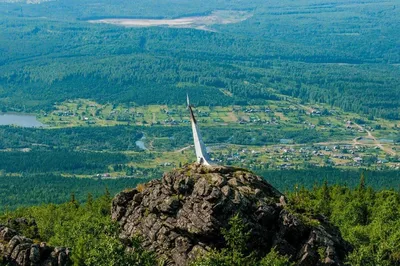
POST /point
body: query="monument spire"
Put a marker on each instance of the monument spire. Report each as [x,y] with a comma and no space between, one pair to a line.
[201,151]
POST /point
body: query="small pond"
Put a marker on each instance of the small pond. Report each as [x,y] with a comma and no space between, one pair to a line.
[22,120]
[140,143]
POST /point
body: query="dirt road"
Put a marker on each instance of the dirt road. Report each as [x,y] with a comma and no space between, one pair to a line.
[386,149]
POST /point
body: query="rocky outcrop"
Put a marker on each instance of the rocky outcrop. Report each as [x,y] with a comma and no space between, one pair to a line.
[22,224]
[21,251]
[181,216]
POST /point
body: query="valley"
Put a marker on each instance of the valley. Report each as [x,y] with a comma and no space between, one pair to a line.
[292,91]
[282,134]
[339,138]
[298,104]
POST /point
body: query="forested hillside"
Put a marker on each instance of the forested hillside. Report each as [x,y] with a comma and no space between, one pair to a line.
[304,93]
[31,190]
[324,52]
[367,218]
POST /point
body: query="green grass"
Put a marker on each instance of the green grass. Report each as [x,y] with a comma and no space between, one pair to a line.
[287,116]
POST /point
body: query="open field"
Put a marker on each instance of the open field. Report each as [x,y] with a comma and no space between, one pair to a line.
[197,22]
[278,135]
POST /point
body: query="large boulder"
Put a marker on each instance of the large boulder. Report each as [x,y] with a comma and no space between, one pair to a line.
[21,251]
[181,216]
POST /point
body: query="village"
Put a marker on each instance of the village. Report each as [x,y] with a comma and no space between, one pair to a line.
[307,156]
[347,140]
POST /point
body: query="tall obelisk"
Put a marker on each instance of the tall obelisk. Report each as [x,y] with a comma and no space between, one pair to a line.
[201,151]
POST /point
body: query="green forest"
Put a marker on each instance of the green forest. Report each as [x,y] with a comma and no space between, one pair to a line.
[299,52]
[305,94]
[38,189]
[367,218]
[123,138]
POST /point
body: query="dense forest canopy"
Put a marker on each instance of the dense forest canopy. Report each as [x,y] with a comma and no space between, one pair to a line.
[368,219]
[30,190]
[327,51]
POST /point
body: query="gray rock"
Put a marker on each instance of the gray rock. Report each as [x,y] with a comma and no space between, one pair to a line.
[181,217]
[34,255]
[21,251]
[6,233]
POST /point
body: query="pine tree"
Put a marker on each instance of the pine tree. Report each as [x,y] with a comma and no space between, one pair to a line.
[361,186]
[89,201]
[325,192]
[324,203]
[73,200]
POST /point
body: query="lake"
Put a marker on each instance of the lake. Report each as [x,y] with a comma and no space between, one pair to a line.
[140,143]
[22,120]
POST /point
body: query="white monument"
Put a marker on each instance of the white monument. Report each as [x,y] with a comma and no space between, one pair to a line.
[201,150]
